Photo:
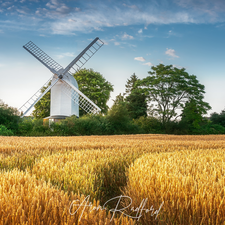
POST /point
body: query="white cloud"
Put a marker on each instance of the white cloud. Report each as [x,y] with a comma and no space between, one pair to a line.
[130,6]
[107,17]
[139,59]
[71,20]
[63,9]
[53,4]
[105,42]
[98,29]
[116,43]
[56,10]
[21,11]
[209,7]
[140,31]
[127,36]
[171,52]
[57,16]
[5,4]
[148,64]
[11,8]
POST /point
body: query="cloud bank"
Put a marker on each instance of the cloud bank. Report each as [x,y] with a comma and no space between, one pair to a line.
[68,17]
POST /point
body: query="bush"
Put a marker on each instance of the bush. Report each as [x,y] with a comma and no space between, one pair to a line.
[149,125]
[33,127]
[119,122]
[4,131]
[210,129]
[25,126]
[85,125]
[9,117]
[38,126]
[218,118]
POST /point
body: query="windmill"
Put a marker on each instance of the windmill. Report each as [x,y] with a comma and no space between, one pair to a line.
[66,98]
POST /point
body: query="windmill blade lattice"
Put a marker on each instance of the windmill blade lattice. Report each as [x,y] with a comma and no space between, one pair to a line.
[36,97]
[84,56]
[79,98]
[40,55]
[66,83]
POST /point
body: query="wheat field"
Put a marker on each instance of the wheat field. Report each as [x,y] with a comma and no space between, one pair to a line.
[124,179]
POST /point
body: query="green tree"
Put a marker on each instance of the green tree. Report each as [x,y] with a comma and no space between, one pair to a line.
[42,108]
[118,118]
[4,131]
[136,99]
[95,87]
[119,99]
[9,116]
[169,88]
[218,118]
[192,114]
[130,85]
[136,104]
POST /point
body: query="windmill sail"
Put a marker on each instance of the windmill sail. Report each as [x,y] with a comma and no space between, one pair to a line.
[40,55]
[63,81]
[84,56]
[79,98]
[25,108]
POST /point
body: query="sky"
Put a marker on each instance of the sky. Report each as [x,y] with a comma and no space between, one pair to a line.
[137,35]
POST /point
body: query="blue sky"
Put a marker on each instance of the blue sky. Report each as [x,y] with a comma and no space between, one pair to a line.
[137,35]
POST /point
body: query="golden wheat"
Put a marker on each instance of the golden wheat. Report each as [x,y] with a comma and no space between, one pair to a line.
[184,172]
[26,200]
[190,184]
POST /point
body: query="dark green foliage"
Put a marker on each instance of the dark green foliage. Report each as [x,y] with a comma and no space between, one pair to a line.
[85,125]
[192,116]
[9,117]
[169,88]
[95,87]
[131,84]
[210,128]
[119,121]
[4,131]
[136,99]
[149,125]
[218,118]
[136,104]
[25,126]
[39,127]
[33,127]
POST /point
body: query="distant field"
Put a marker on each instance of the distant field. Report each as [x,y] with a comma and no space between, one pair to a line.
[170,180]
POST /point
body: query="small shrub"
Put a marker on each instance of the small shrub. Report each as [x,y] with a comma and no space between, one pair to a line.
[4,131]
[149,125]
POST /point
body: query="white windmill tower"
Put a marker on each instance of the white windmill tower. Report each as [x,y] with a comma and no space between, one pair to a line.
[65,95]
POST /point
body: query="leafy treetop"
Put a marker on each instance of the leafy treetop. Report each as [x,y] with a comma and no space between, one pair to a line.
[168,88]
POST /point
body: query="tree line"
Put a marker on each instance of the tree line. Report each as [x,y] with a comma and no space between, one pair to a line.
[168,100]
